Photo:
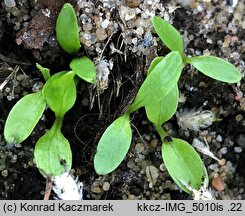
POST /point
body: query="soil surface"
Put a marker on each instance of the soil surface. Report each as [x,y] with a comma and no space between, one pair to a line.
[116,34]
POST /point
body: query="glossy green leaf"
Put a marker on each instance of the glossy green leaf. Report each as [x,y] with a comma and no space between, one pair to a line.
[113,145]
[162,111]
[23,117]
[67,32]
[183,163]
[52,152]
[160,82]
[60,92]
[84,68]
[154,63]
[45,71]
[168,34]
[215,68]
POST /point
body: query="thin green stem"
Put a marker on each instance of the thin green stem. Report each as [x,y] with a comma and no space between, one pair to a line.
[58,123]
[160,131]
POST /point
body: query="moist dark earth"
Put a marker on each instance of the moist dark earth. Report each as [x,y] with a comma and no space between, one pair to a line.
[216,27]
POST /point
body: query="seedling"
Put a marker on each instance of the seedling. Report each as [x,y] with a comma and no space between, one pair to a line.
[67,32]
[159,95]
[59,94]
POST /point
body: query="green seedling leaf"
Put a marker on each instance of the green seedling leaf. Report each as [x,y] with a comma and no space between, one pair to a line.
[113,145]
[45,71]
[60,92]
[183,163]
[215,68]
[168,34]
[163,110]
[67,32]
[52,152]
[84,68]
[153,64]
[23,117]
[160,82]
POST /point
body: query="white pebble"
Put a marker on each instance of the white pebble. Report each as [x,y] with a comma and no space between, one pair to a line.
[130,14]
[4,173]
[223,150]
[162,167]
[106,186]
[134,40]
[10,3]
[105,23]
[209,41]
[87,36]
[237,149]
[139,31]
[7,89]
[219,138]
[213,166]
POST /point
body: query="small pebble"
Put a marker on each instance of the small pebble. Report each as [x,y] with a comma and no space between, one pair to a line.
[239,117]
[237,149]
[139,147]
[130,14]
[10,3]
[209,138]
[219,138]
[210,41]
[162,167]
[4,173]
[132,3]
[139,31]
[153,143]
[18,145]
[241,140]
[135,40]
[14,159]
[105,23]
[96,190]
[223,150]
[132,166]
[241,190]
[235,55]
[101,34]
[31,163]
[87,27]
[7,89]
[85,102]
[213,166]
[222,162]
[131,197]
[168,184]
[218,184]
[152,174]
[10,146]
[37,87]
[20,77]
[182,98]
[106,186]
[2,167]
